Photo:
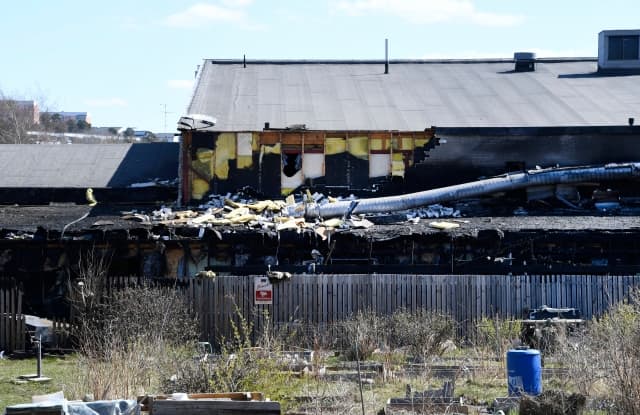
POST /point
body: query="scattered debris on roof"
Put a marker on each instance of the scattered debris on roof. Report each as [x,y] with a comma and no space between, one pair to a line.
[276,215]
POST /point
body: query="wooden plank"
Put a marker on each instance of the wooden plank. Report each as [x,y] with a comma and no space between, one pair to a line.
[306,298]
[560,291]
[620,281]
[424,292]
[573,296]
[325,301]
[598,295]
[471,301]
[210,335]
[517,305]
[413,281]
[341,306]
[493,302]
[483,312]
[12,325]
[581,290]
[332,279]
[589,299]
[460,293]
[450,297]
[3,320]
[210,407]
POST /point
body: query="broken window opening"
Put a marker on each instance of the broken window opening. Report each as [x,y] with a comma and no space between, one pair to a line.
[291,164]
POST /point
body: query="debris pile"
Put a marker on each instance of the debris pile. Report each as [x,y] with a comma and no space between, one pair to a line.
[156,182]
[279,215]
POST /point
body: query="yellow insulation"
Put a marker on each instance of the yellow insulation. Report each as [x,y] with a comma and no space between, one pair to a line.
[420,142]
[334,145]
[274,149]
[397,165]
[202,169]
[358,147]
[244,162]
[203,163]
[204,155]
[199,188]
[377,144]
[403,143]
[225,151]
[244,150]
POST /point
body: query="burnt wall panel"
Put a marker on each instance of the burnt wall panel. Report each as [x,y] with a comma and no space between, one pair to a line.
[270,175]
[468,154]
[346,172]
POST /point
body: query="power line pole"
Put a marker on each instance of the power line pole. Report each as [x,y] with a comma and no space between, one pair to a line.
[165,112]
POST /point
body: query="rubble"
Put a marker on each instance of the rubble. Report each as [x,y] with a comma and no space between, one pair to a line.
[279,215]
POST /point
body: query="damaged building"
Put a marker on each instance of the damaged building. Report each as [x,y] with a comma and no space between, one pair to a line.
[322,130]
[500,166]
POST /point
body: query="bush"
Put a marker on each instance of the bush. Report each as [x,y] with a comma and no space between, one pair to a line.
[129,341]
[241,366]
[496,335]
[605,359]
[422,332]
[363,333]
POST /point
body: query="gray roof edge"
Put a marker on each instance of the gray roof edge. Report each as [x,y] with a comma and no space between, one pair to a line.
[196,83]
[382,61]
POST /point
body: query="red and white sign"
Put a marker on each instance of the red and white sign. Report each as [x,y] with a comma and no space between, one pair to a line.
[263,291]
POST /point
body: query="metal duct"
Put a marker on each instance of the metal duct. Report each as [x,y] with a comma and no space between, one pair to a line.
[543,177]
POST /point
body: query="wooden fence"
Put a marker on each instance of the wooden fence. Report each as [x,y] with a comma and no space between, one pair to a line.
[12,325]
[325,300]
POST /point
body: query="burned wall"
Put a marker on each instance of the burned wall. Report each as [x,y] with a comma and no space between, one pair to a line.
[467,154]
[275,163]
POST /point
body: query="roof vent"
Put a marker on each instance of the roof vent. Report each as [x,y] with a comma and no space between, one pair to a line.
[619,51]
[192,122]
[525,61]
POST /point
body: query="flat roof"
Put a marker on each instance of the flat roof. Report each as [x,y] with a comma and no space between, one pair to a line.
[86,165]
[415,94]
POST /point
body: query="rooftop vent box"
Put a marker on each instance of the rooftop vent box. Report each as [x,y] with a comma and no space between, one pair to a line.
[619,51]
[525,61]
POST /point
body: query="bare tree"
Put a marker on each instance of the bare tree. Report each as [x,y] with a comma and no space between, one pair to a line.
[129,340]
[606,358]
[17,117]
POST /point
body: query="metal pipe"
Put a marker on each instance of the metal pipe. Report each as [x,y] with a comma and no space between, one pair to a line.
[386,56]
[543,177]
[39,356]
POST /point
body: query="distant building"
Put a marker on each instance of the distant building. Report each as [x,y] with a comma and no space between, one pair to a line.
[28,108]
[168,137]
[76,116]
[143,135]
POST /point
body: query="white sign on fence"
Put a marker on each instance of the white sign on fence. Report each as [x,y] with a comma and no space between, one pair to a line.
[263,291]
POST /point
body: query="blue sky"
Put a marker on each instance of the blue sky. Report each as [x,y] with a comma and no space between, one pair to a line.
[125,61]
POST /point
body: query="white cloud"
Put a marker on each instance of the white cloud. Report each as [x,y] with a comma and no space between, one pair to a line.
[429,11]
[237,3]
[201,14]
[105,102]
[180,83]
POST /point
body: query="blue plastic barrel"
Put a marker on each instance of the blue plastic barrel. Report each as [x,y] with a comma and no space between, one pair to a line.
[524,372]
